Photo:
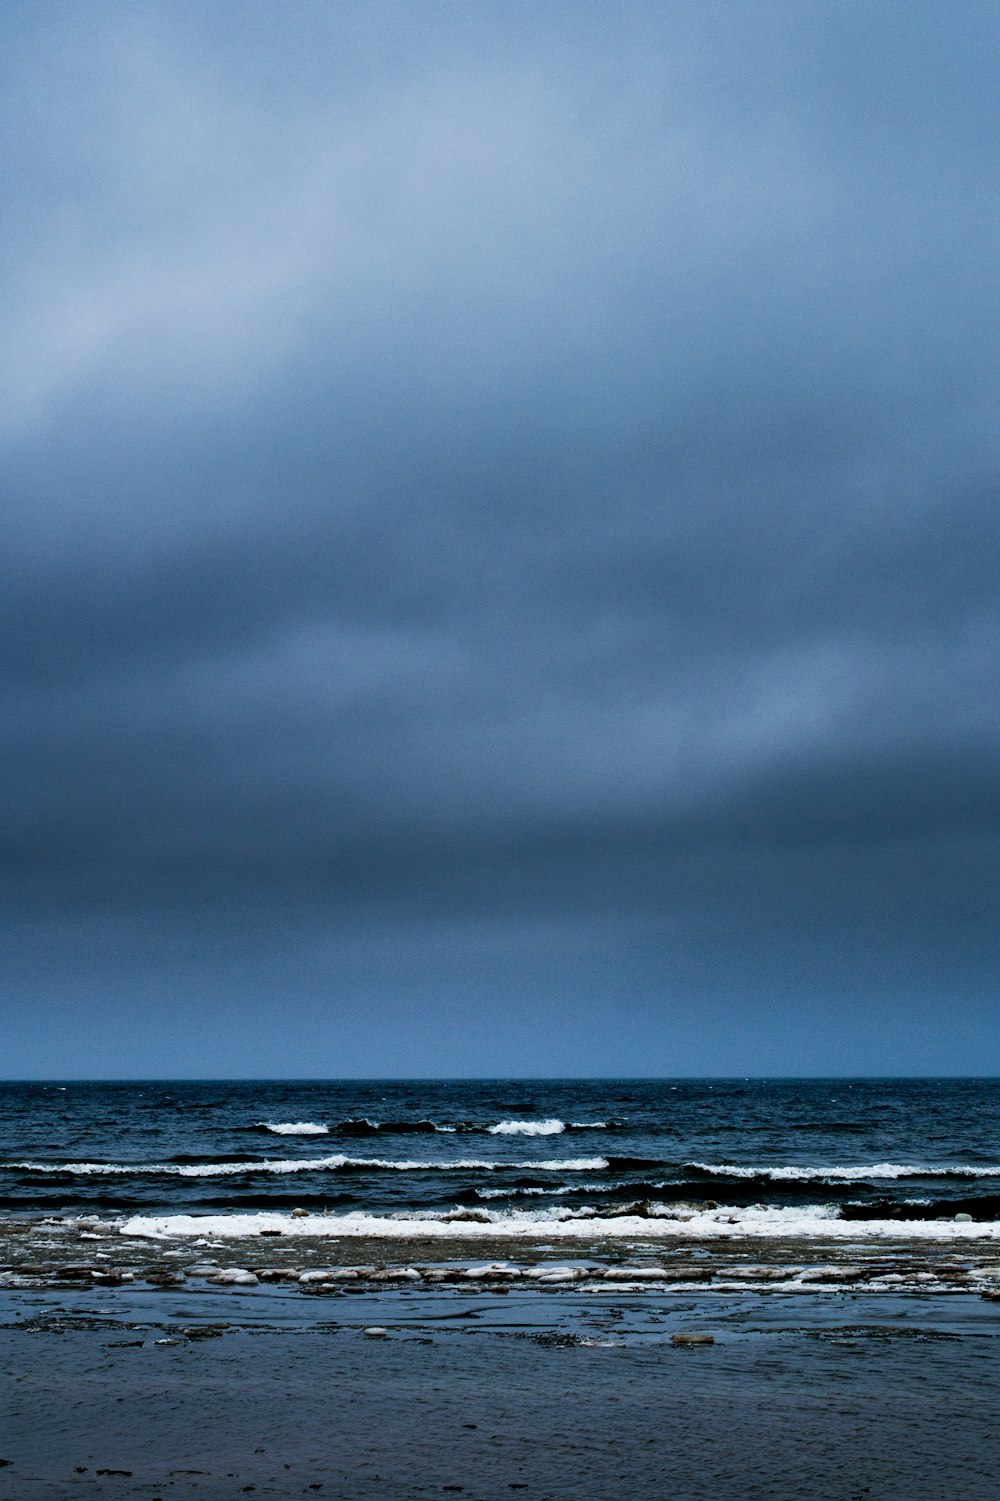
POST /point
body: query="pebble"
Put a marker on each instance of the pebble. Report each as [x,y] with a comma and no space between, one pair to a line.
[235,1277]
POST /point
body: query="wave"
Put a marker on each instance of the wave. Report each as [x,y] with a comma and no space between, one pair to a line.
[475,1195]
[856,1173]
[636,1164]
[196,1157]
[336,1163]
[550,1127]
[56,1205]
[365,1126]
[727,1222]
[986,1207]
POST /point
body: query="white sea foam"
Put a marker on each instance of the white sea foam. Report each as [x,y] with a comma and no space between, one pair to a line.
[295,1128]
[182,1170]
[855,1173]
[505,1193]
[551,1127]
[766,1224]
[301,1165]
[568,1164]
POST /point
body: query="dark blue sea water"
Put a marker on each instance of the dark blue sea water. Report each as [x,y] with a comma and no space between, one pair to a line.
[777,1155]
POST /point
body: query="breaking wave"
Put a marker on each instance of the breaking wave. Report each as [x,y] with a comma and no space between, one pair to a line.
[365,1126]
[856,1173]
[335,1163]
[754,1223]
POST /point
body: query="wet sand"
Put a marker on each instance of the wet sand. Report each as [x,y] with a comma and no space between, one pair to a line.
[228,1392]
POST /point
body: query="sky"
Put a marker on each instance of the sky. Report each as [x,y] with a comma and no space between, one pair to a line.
[499,538]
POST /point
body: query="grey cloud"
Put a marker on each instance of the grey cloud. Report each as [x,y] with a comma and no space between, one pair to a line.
[487,471]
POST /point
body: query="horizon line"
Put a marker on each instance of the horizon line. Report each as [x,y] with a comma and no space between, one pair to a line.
[65,1079]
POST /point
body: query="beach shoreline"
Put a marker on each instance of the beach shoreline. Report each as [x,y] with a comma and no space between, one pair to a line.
[55,1252]
[216,1392]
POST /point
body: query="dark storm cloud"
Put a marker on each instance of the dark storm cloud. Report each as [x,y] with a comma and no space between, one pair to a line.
[496,465]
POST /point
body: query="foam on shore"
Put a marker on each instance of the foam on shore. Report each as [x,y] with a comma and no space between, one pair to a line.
[727,1222]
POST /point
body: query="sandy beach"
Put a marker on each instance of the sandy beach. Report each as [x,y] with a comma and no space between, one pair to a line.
[218,1392]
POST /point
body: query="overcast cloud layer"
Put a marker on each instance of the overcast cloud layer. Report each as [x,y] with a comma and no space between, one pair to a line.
[500,538]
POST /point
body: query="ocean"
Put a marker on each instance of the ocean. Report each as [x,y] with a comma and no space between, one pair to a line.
[667,1159]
